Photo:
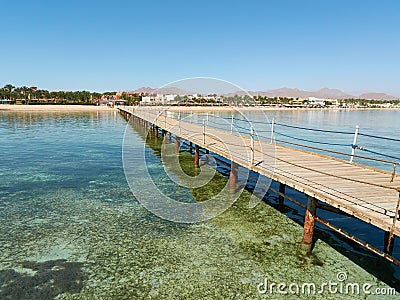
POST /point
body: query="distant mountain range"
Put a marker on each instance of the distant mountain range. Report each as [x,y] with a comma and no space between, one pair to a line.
[165,90]
[282,92]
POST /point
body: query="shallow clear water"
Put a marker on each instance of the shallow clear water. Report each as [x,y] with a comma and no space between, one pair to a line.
[71,228]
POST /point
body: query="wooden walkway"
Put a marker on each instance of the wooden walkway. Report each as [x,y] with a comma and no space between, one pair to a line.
[366,193]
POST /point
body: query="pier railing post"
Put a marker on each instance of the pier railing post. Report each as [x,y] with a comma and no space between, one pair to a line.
[207,118]
[252,144]
[272,130]
[354,146]
[165,119]
[204,132]
[232,124]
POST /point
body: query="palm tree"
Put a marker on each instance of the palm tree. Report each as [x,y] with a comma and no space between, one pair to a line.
[9,88]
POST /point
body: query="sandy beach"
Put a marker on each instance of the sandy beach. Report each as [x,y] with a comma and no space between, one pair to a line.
[53,108]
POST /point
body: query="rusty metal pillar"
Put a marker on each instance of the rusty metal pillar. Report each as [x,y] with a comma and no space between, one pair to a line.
[233,176]
[196,156]
[155,133]
[164,136]
[281,198]
[388,243]
[309,220]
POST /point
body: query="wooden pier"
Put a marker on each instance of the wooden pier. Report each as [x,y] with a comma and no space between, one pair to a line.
[369,194]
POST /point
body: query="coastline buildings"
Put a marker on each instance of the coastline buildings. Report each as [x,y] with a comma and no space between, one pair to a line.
[158,99]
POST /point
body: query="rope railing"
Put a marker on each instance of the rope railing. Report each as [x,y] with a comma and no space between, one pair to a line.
[311,141]
[205,120]
[379,137]
[380,154]
[331,151]
[313,129]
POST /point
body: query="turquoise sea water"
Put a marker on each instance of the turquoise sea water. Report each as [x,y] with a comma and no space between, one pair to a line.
[70,227]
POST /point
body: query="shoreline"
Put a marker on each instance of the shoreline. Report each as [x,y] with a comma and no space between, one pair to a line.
[195,109]
[255,108]
[53,108]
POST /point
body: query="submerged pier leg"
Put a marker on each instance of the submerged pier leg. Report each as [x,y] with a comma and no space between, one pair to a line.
[196,156]
[281,198]
[309,220]
[155,133]
[388,243]
[164,136]
[177,144]
[233,176]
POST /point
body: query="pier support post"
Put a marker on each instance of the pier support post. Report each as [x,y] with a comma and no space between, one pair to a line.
[196,156]
[164,136]
[177,144]
[155,133]
[233,176]
[390,237]
[281,198]
[190,147]
[309,220]
[388,243]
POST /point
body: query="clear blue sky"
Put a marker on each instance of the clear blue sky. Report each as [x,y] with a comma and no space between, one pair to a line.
[123,45]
